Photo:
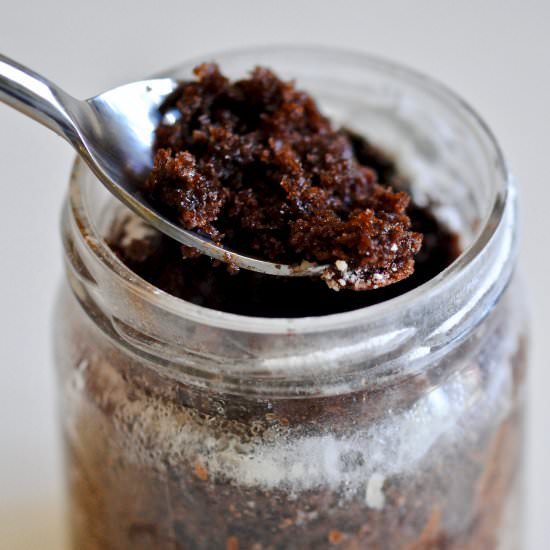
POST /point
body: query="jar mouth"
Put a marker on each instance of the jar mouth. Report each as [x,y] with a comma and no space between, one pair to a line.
[304,325]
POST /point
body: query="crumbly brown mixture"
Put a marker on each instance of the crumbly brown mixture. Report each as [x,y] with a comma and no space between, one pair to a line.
[166,264]
[254,165]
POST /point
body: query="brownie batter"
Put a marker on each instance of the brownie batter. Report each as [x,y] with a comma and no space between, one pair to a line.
[218,170]
[255,166]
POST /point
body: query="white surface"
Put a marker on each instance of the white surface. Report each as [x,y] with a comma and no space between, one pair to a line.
[495,53]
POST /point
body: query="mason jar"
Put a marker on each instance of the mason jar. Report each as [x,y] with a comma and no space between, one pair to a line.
[395,426]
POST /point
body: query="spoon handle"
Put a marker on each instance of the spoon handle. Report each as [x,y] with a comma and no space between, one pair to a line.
[38,98]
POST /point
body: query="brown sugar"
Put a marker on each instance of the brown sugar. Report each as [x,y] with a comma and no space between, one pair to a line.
[201,472]
[335,536]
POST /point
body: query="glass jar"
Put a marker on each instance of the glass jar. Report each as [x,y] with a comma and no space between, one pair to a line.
[394,426]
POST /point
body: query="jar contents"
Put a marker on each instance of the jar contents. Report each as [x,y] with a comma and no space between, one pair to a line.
[254,165]
[428,463]
[184,435]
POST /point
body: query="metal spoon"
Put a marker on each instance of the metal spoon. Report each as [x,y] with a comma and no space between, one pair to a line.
[114,133]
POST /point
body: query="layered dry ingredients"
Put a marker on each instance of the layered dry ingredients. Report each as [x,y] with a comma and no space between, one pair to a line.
[427,462]
[420,461]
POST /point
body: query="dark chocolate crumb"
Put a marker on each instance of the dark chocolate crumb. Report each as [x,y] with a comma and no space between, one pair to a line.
[255,166]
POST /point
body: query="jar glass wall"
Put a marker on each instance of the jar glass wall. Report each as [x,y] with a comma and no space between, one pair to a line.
[393,426]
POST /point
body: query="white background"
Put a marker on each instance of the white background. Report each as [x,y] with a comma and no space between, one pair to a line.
[496,54]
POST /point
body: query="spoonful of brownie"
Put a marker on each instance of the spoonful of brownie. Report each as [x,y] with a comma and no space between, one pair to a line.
[248,172]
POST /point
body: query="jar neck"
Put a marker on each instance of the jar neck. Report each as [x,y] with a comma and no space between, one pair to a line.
[318,355]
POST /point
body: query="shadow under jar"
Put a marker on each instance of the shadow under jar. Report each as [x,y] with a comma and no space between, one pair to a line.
[396,426]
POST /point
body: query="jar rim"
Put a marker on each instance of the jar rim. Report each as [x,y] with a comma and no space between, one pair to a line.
[312,324]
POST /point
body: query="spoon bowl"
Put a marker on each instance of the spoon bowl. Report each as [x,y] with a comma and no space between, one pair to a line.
[114,133]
